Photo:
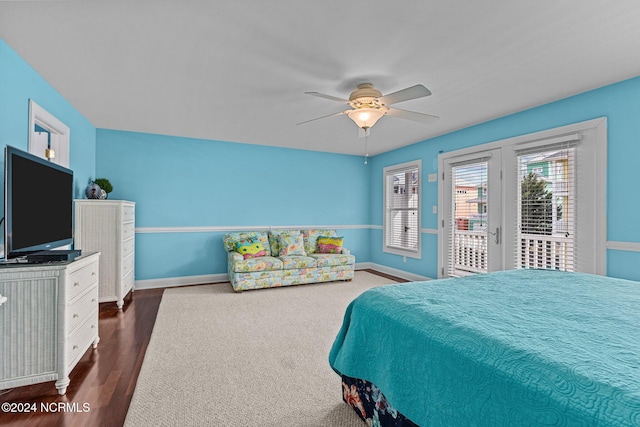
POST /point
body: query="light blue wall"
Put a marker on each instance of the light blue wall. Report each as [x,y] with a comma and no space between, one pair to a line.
[183,182]
[619,102]
[19,83]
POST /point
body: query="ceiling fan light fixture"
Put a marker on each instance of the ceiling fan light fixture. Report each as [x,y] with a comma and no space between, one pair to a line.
[366,117]
[368,105]
[365,93]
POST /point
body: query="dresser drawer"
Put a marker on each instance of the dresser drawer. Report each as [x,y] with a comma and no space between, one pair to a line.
[127,265]
[128,230]
[81,280]
[80,309]
[81,339]
[127,283]
[128,246]
[128,212]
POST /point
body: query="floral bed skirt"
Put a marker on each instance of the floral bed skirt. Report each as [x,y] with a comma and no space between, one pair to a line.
[370,404]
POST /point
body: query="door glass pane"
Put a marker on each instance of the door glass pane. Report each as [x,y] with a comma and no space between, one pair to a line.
[469,223]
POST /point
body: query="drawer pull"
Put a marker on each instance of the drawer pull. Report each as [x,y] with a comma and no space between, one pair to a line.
[75,315]
[76,283]
[93,300]
[93,273]
[93,326]
[75,347]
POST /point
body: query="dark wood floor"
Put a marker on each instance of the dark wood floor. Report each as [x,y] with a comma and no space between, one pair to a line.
[105,378]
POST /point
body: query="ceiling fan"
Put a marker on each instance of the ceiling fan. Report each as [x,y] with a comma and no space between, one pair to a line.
[368,105]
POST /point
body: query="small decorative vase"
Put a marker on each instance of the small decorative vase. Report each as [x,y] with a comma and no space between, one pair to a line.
[93,191]
[103,194]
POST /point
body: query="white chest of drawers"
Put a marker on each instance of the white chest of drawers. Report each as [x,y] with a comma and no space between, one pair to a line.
[50,318]
[108,227]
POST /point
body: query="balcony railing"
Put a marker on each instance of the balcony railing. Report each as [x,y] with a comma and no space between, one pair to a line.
[549,252]
[470,251]
[534,251]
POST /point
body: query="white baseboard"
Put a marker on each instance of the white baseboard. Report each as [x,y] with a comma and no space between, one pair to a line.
[392,271]
[172,282]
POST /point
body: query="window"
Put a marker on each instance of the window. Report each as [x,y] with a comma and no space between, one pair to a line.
[546,226]
[402,209]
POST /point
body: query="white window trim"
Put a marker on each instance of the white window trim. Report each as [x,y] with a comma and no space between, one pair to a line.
[591,173]
[394,250]
[61,134]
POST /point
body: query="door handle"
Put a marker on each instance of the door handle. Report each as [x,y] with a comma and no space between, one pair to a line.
[497,234]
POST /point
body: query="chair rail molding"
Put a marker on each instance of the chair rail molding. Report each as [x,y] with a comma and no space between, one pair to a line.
[232,228]
[624,246]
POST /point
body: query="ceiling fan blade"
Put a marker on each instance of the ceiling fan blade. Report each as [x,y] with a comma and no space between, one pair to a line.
[323,117]
[413,92]
[412,115]
[329,97]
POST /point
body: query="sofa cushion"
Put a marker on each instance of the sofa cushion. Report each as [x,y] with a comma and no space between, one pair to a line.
[291,245]
[256,280]
[231,240]
[265,263]
[297,262]
[328,260]
[311,236]
[274,242]
[329,245]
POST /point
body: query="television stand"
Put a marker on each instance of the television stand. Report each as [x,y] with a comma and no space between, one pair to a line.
[53,256]
[49,320]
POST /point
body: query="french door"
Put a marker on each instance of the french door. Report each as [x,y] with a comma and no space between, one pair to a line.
[471,214]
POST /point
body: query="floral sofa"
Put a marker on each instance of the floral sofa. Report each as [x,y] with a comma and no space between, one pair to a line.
[264,259]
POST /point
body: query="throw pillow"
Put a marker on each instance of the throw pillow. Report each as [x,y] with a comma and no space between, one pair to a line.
[311,237]
[291,245]
[231,240]
[250,248]
[274,241]
[330,245]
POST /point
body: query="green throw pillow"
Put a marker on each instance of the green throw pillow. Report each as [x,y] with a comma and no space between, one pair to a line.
[291,245]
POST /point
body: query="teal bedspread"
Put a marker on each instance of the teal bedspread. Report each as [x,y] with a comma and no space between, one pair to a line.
[511,348]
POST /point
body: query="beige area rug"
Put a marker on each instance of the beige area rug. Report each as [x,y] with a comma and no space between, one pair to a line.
[256,358]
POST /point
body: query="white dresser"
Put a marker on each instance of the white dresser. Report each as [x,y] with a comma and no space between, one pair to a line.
[48,321]
[108,227]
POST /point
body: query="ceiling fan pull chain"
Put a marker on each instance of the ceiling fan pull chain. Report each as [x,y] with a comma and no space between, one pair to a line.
[366,148]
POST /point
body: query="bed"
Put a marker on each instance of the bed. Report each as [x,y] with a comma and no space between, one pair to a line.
[510,348]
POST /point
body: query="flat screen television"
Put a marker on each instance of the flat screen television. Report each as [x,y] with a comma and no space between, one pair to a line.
[38,204]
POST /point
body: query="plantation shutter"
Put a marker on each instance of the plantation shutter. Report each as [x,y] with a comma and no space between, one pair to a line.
[546,204]
[402,209]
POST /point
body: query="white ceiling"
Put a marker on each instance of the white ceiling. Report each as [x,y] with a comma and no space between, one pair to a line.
[237,70]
